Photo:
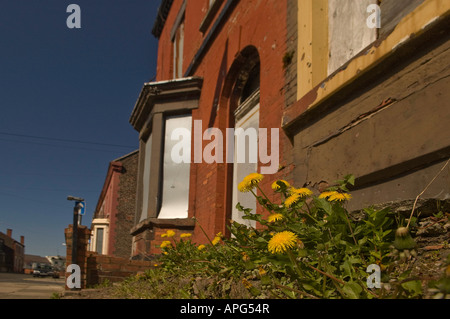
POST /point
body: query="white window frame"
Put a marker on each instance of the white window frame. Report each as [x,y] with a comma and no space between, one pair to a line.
[96,224]
[146,177]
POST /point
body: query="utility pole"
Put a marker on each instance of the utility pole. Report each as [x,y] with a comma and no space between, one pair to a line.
[75,235]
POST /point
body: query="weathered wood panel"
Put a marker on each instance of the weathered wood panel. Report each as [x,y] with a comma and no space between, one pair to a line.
[392,12]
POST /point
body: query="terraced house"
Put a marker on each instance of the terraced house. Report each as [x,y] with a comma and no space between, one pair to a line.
[320,88]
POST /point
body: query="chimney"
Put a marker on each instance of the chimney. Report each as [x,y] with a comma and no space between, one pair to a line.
[9,232]
[22,240]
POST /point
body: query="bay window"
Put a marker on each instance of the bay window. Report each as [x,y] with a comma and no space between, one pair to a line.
[163,184]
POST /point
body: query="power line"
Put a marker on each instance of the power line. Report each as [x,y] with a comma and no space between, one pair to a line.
[62,146]
[45,190]
[64,140]
[9,173]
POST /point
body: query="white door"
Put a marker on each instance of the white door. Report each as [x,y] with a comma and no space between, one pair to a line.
[249,120]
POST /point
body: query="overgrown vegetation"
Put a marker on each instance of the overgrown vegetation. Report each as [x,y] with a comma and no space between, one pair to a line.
[309,247]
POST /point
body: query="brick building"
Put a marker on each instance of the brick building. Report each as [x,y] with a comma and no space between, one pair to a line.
[115,210]
[12,253]
[373,102]
[328,91]
[31,262]
[219,66]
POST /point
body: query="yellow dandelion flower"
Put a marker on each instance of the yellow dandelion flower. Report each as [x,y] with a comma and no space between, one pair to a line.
[246,283]
[304,192]
[245,257]
[292,200]
[339,197]
[254,177]
[185,235]
[274,217]
[170,233]
[249,182]
[216,240]
[327,194]
[280,242]
[243,187]
[200,247]
[277,184]
[165,244]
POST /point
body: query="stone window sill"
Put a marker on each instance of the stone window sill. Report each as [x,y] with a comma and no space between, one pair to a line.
[168,223]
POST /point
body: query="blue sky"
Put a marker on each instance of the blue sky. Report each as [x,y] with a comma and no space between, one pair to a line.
[60,87]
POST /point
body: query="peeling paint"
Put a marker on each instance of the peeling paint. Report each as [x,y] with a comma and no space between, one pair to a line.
[430,22]
[358,120]
[401,42]
[409,27]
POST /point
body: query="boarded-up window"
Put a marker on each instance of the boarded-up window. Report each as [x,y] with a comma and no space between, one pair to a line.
[348,30]
[175,188]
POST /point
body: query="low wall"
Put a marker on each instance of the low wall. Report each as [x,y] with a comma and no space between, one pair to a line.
[101,268]
[96,269]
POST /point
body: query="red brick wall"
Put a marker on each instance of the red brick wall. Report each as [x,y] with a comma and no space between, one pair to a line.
[97,268]
[112,200]
[262,25]
[101,268]
[126,207]
[158,231]
[82,244]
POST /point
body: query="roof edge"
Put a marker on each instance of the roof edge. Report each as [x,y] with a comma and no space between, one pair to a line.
[163,12]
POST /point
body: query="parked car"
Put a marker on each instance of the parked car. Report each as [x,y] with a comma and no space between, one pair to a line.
[45,270]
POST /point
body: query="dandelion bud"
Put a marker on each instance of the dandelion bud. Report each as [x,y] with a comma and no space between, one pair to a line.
[261,270]
[402,232]
[403,239]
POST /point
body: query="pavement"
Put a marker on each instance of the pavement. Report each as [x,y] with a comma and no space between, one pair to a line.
[21,286]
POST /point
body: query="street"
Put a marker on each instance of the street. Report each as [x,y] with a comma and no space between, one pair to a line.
[21,286]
